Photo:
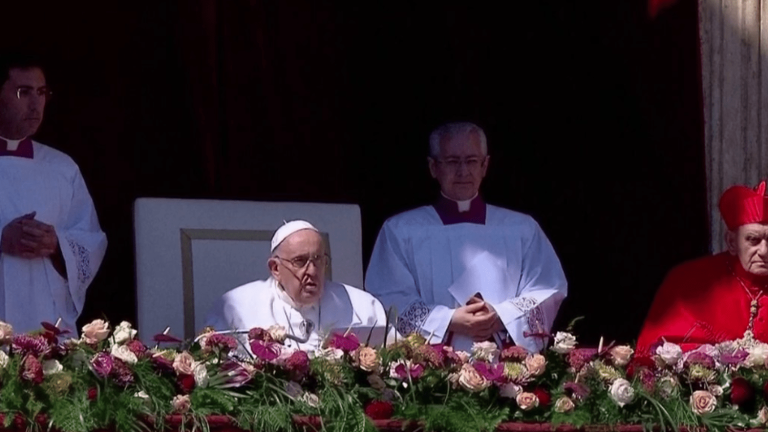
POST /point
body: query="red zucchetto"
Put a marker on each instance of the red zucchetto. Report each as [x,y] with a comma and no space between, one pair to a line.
[741,205]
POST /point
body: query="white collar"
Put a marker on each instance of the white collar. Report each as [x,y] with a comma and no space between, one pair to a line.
[282,295]
[463,205]
[12,144]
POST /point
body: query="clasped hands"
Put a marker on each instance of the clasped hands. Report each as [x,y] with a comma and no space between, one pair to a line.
[478,320]
[28,238]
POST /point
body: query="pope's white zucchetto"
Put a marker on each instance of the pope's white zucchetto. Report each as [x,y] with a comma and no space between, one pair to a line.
[289,228]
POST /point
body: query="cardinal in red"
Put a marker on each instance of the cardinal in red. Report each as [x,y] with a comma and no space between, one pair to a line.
[721,297]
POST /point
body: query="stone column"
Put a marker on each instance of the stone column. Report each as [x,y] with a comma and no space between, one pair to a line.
[734,51]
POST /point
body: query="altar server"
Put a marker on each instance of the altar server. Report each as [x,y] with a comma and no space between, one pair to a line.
[461,270]
[296,295]
[51,244]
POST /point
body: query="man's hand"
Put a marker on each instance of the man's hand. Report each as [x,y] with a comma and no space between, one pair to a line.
[40,237]
[477,320]
[28,238]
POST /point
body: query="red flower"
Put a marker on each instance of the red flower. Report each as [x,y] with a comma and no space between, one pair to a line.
[93,393]
[544,397]
[637,363]
[298,363]
[186,383]
[765,390]
[379,410]
[137,347]
[741,391]
[19,421]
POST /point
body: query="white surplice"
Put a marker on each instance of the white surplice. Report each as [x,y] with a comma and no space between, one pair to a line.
[31,290]
[264,303]
[426,269]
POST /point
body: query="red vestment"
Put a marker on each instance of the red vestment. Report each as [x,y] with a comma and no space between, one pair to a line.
[703,302]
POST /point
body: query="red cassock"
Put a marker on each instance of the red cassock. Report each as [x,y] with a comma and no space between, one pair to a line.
[706,301]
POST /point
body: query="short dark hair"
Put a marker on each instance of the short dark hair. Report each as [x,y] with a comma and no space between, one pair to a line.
[17,60]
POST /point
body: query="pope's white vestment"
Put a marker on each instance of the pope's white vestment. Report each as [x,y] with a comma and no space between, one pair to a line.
[31,290]
[264,303]
[426,269]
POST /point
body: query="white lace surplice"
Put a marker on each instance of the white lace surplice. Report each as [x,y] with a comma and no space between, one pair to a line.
[31,291]
[417,261]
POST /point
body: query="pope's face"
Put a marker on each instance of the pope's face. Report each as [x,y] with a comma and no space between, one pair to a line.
[299,266]
[750,244]
[460,167]
[21,107]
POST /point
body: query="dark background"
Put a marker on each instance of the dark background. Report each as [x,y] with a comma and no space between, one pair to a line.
[592,112]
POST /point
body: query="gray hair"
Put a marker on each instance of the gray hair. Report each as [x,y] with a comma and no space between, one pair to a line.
[453,130]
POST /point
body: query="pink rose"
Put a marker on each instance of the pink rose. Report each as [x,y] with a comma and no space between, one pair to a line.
[6,332]
[368,359]
[96,331]
[621,355]
[703,402]
[470,379]
[527,401]
[184,364]
[536,364]
[181,403]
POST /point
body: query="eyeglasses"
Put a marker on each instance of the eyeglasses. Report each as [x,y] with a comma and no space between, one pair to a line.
[302,261]
[472,163]
[26,92]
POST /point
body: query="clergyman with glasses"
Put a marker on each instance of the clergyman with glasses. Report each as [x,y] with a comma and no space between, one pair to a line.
[51,244]
[462,271]
[297,295]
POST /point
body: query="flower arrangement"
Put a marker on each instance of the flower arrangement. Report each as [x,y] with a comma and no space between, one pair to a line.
[109,379]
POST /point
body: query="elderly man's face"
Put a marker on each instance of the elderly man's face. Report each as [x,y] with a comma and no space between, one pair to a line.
[21,107]
[299,266]
[460,167]
[750,243]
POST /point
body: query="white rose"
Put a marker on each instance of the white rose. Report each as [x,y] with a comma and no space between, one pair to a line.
[670,353]
[463,356]
[485,351]
[622,392]
[758,353]
[716,390]
[51,367]
[3,359]
[123,333]
[277,332]
[564,404]
[667,386]
[6,332]
[201,374]
[564,343]
[143,396]
[762,416]
[330,354]
[510,390]
[311,399]
[123,353]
